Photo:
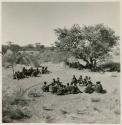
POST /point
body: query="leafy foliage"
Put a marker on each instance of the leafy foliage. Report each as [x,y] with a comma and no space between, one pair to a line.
[90,43]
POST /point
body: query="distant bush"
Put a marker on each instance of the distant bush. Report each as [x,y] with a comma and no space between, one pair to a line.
[14,107]
[111,66]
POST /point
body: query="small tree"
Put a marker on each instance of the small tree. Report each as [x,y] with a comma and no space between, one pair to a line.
[90,43]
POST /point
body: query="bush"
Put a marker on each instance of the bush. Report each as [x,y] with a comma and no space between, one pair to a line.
[14,107]
[111,66]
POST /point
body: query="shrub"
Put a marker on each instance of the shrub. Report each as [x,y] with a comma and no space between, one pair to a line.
[111,66]
[14,107]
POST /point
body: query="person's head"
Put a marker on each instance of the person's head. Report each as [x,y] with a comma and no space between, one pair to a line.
[45,83]
[53,79]
[98,82]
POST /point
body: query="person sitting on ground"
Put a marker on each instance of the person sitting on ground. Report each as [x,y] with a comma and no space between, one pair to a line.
[89,89]
[85,82]
[55,88]
[54,81]
[68,88]
[74,80]
[18,75]
[98,87]
[71,88]
[45,87]
[52,86]
[24,70]
[76,89]
[86,77]
[15,75]
[43,70]
[60,90]
[89,82]
[58,80]
[64,89]
[80,80]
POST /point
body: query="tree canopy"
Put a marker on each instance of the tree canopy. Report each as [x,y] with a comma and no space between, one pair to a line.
[90,43]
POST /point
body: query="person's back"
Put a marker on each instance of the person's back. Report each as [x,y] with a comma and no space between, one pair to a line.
[98,87]
[85,82]
[89,89]
[76,89]
[60,90]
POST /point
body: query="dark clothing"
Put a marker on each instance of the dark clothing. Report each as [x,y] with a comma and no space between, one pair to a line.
[60,91]
[45,88]
[98,88]
[89,89]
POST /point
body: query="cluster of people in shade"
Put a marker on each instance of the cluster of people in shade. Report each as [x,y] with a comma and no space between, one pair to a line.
[31,72]
[56,87]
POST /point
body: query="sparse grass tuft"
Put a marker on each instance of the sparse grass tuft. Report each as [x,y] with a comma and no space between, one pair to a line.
[15,107]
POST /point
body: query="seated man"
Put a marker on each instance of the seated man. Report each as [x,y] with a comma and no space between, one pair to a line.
[68,88]
[60,90]
[74,80]
[45,87]
[71,88]
[80,80]
[89,89]
[54,81]
[85,82]
[46,69]
[64,89]
[52,86]
[58,80]
[15,75]
[76,89]
[98,87]
[43,70]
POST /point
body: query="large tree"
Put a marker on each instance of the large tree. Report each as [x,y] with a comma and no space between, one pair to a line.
[90,43]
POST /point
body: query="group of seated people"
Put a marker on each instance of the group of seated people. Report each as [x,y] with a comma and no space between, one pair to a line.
[56,87]
[31,72]
[75,65]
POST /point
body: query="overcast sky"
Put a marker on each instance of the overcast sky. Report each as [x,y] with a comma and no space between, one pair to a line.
[25,23]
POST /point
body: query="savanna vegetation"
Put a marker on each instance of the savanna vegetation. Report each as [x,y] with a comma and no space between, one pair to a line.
[92,44]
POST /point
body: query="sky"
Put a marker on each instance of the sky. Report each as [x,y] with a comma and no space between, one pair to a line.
[30,22]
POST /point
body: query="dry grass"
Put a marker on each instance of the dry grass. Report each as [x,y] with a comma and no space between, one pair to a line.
[15,107]
[93,108]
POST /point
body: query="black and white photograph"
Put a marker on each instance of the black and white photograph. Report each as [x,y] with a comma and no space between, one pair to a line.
[61,62]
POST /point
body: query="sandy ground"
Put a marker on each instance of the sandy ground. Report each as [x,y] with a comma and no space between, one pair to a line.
[77,108]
